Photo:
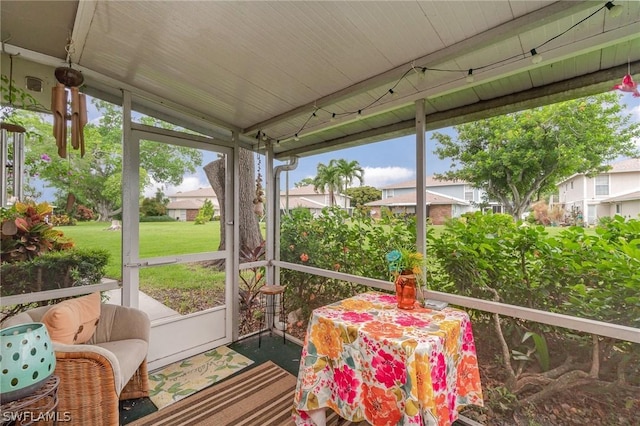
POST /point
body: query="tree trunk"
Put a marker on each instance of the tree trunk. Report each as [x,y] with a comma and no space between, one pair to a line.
[250,235]
[215,172]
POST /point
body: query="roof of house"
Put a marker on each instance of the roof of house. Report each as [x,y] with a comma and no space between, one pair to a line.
[185,205]
[308,190]
[302,202]
[623,166]
[630,196]
[196,193]
[432,198]
[628,165]
[430,181]
[301,190]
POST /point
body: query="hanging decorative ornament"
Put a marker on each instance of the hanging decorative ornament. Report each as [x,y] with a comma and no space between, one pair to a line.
[258,202]
[628,85]
[76,111]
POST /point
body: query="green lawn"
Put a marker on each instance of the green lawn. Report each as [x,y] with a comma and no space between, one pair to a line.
[156,239]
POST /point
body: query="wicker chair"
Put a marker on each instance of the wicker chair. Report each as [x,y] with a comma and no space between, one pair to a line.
[110,367]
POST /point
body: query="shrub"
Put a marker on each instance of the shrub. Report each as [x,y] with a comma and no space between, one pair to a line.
[83,213]
[205,214]
[54,270]
[26,233]
[62,220]
[153,207]
[335,241]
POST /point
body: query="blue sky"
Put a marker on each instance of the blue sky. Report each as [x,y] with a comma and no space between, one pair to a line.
[383,162]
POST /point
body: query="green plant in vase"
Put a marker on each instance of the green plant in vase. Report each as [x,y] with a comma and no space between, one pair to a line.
[407,268]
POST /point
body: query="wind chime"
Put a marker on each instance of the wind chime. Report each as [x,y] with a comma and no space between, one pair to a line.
[68,104]
[258,202]
[12,137]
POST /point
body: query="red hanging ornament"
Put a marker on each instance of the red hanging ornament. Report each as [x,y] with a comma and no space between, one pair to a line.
[628,85]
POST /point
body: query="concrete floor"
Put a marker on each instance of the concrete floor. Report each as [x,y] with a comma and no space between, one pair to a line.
[152,307]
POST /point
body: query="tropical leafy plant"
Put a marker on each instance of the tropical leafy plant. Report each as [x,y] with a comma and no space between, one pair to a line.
[27,234]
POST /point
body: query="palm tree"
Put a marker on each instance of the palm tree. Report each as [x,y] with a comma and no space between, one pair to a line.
[349,170]
[328,178]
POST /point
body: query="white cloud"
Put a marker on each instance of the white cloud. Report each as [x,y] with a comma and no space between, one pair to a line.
[189,183]
[383,176]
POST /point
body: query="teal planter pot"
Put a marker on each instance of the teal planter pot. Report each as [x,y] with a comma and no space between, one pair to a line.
[27,360]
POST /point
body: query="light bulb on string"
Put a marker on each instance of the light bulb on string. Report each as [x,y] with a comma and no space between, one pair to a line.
[615,10]
[296,138]
[470,78]
[536,58]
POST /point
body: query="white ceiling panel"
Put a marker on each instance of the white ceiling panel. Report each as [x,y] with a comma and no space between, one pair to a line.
[267,65]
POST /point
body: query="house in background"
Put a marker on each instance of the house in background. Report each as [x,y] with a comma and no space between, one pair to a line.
[439,207]
[307,197]
[457,189]
[452,198]
[184,206]
[616,191]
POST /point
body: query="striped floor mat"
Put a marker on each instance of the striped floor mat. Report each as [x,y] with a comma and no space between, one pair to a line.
[260,396]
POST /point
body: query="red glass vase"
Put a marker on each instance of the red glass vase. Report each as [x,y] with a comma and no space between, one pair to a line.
[406,291]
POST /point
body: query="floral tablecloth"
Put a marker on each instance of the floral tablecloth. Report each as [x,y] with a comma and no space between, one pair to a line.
[368,360]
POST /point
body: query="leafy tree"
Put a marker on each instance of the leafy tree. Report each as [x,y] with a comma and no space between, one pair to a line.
[328,179]
[156,206]
[14,97]
[349,170]
[205,214]
[304,182]
[361,195]
[96,179]
[514,157]
[336,176]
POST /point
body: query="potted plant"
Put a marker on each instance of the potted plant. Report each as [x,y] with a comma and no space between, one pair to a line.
[405,267]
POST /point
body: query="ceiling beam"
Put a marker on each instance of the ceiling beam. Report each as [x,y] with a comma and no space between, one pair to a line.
[577,87]
[553,12]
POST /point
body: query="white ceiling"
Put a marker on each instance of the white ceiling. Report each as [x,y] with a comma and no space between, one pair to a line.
[222,66]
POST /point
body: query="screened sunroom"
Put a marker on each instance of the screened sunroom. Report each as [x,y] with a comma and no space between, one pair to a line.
[290,80]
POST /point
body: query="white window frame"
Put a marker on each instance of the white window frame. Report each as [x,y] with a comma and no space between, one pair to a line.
[601,185]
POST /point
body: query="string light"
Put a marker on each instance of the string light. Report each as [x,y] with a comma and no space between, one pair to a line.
[470,78]
[536,58]
[613,9]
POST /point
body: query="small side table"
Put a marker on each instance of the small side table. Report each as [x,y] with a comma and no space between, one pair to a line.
[268,301]
[38,407]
